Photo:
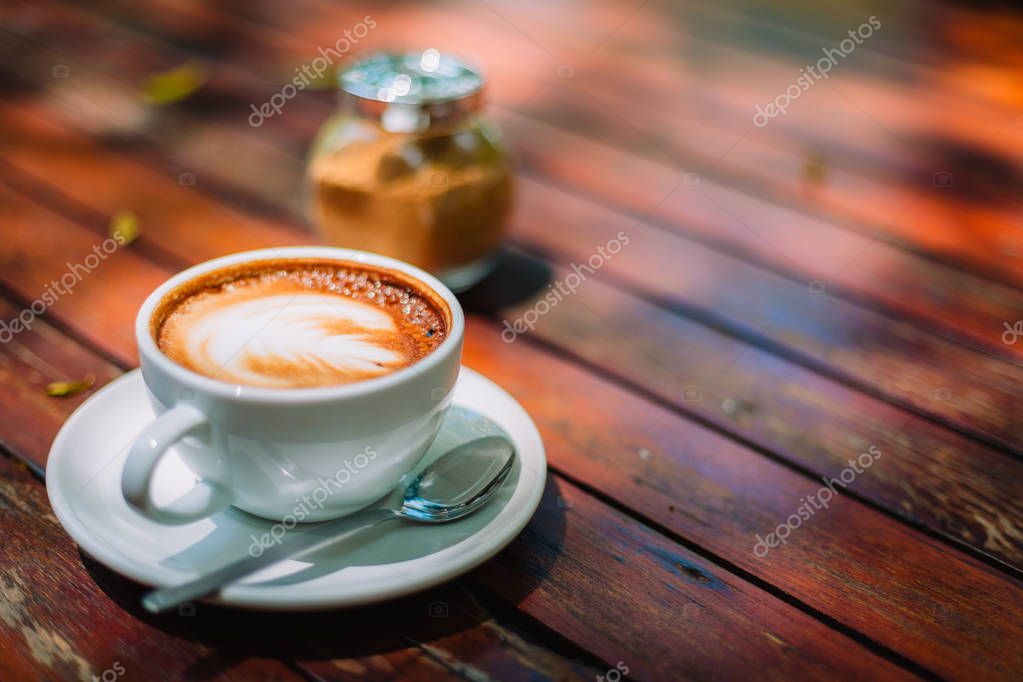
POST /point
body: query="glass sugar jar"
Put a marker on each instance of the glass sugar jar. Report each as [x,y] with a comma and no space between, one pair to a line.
[409,167]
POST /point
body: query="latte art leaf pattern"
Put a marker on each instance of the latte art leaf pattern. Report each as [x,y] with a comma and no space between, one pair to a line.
[287,339]
[298,323]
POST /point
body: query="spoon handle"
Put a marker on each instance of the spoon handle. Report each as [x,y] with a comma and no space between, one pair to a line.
[294,545]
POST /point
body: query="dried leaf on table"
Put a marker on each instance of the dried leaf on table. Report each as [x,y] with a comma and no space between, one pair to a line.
[63,389]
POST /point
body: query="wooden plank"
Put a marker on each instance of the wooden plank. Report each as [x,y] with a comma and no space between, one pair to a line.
[99,624]
[902,210]
[800,246]
[709,624]
[942,379]
[652,95]
[62,271]
[29,361]
[681,87]
[934,220]
[670,59]
[921,490]
[164,206]
[898,540]
[29,420]
[58,622]
[804,418]
[985,404]
[848,561]
[560,557]
[444,633]
[978,393]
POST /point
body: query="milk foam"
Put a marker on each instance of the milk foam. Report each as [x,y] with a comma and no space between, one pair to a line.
[287,339]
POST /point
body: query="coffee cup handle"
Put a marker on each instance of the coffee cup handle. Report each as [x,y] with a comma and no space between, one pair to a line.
[201,501]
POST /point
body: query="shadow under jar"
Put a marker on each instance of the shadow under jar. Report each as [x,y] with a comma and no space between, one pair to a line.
[410,168]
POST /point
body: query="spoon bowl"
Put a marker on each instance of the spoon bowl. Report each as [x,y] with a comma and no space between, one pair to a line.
[459,482]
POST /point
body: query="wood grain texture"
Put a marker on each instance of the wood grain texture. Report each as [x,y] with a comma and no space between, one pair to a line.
[57,256]
[912,366]
[899,207]
[52,601]
[65,616]
[837,606]
[29,361]
[721,496]
[469,640]
[978,393]
[691,393]
[471,643]
[653,586]
[657,97]
[806,419]
[805,248]
[874,111]
[756,158]
[58,622]
[935,477]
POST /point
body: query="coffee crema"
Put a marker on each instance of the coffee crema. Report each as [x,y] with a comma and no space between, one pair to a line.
[295,323]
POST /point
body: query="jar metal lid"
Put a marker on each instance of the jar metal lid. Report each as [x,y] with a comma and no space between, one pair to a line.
[412,91]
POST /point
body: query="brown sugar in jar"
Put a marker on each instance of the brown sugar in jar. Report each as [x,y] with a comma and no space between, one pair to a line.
[411,169]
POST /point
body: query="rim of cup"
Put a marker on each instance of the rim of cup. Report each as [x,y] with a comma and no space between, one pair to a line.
[241,392]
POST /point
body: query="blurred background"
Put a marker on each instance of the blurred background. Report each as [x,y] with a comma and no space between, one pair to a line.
[753,151]
[652,88]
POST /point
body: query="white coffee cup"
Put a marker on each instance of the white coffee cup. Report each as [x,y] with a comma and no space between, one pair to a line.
[308,454]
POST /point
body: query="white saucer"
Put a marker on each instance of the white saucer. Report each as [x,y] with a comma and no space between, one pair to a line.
[83,481]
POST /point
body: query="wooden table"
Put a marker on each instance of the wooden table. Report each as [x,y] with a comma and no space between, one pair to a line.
[844,279]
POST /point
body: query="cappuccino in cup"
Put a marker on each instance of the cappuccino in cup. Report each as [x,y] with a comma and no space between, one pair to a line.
[299,324]
[268,371]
